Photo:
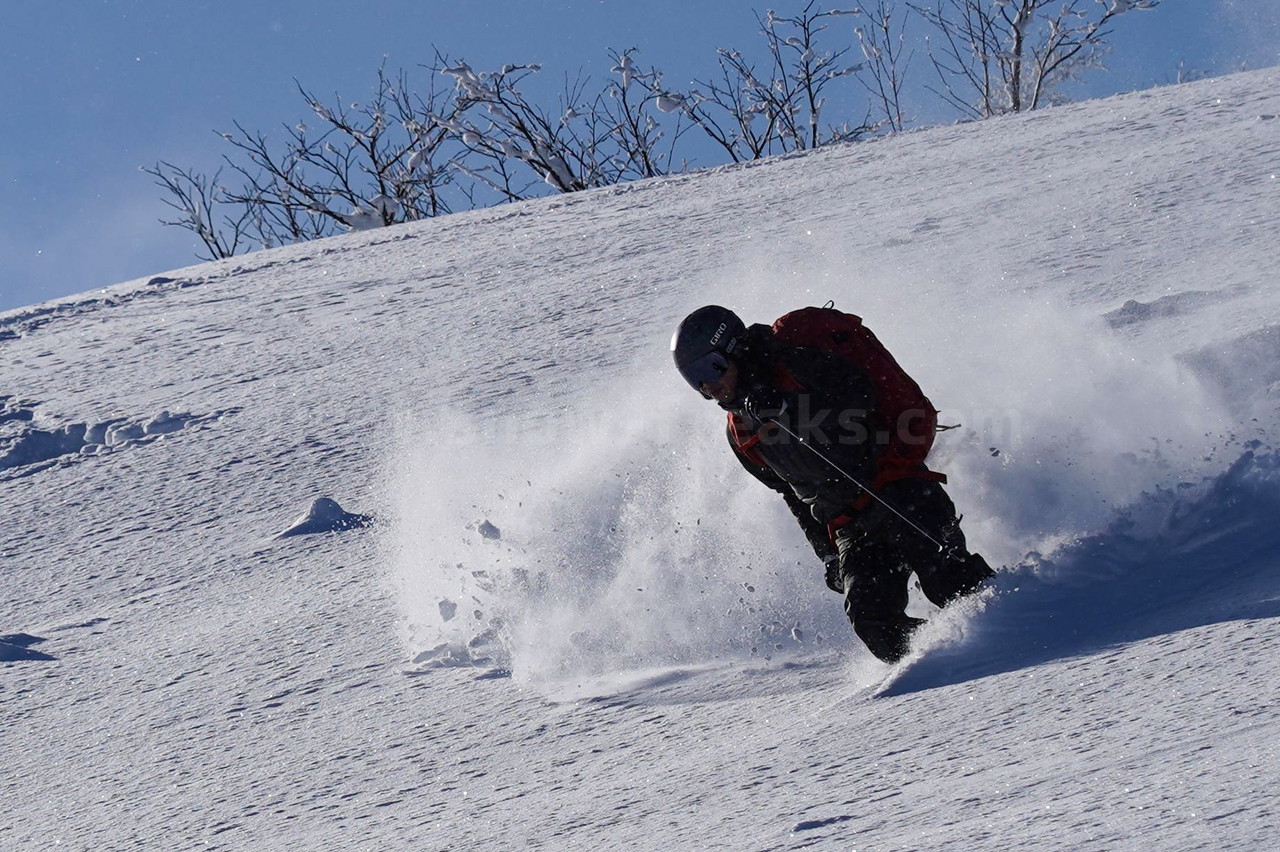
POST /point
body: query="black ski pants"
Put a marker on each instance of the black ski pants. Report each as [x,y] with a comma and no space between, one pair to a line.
[879,551]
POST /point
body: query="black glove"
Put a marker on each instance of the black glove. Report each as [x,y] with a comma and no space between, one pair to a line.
[764,403]
[835,581]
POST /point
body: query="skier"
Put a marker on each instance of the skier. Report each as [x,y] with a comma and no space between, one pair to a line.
[821,413]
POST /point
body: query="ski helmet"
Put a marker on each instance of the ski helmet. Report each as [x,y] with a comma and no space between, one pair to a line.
[704,341]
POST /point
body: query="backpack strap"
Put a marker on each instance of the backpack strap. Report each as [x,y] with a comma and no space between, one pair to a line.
[747,441]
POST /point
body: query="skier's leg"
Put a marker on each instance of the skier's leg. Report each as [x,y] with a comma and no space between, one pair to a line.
[947,574]
[875,597]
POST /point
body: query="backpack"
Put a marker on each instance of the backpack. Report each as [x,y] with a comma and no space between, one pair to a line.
[904,421]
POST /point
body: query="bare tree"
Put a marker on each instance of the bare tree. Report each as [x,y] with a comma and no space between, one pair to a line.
[362,166]
[998,56]
[367,165]
[883,43]
[469,139]
[512,129]
[752,113]
[400,156]
[512,145]
[628,106]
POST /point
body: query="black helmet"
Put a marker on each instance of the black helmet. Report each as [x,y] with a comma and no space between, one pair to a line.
[709,331]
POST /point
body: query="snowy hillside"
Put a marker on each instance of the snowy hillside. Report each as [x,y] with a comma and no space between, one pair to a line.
[558,614]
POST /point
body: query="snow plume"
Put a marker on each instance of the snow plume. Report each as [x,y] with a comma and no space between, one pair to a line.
[615,536]
[1063,421]
[619,533]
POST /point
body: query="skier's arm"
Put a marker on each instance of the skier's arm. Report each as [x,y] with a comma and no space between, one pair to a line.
[819,538]
[814,531]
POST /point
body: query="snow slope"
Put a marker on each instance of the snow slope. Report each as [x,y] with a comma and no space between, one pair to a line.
[575,624]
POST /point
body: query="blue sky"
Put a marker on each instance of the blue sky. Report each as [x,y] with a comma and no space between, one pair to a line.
[94,89]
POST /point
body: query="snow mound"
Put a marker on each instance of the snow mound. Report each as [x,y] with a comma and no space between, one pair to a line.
[325,515]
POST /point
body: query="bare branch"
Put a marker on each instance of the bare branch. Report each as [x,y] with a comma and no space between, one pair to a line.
[998,56]
[199,200]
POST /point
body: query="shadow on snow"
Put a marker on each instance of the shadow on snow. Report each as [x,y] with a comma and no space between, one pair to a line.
[1177,560]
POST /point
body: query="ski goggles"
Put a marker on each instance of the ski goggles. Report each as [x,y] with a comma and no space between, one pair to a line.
[708,368]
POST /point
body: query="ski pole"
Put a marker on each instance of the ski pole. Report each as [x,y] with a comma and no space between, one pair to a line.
[856,482]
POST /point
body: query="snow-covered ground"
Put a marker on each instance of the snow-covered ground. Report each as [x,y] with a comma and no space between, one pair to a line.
[574,622]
